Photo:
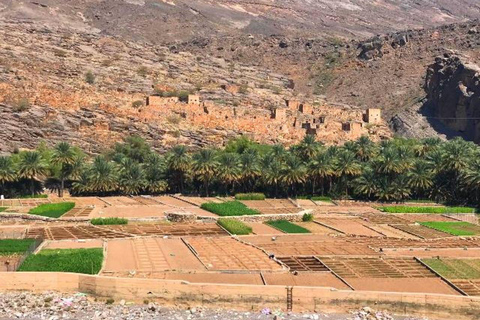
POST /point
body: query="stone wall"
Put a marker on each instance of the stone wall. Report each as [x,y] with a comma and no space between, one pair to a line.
[242,297]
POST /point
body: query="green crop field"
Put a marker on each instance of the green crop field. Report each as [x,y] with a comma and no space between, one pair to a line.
[230,208]
[14,246]
[287,226]
[412,209]
[250,196]
[108,221]
[52,210]
[88,261]
[455,228]
[455,268]
[235,226]
[2,209]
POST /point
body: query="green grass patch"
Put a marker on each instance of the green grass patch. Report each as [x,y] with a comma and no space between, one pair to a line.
[14,246]
[230,208]
[412,209]
[420,201]
[455,228]
[52,210]
[108,221]
[321,198]
[235,226]
[2,209]
[455,268]
[88,261]
[250,196]
[287,226]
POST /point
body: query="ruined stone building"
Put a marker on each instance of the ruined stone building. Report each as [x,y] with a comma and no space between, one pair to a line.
[287,124]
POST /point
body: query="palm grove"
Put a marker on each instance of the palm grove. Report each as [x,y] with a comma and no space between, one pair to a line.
[392,170]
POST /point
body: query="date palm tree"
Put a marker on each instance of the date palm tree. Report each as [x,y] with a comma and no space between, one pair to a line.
[155,168]
[365,149]
[32,167]
[308,148]
[420,177]
[272,171]
[103,175]
[7,172]
[205,167]
[250,168]
[293,173]
[64,157]
[179,163]
[229,170]
[366,185]
[347,166]
[321,167]
[132,177]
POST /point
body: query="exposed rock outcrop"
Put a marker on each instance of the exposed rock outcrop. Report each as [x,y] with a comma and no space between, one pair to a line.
[453,91]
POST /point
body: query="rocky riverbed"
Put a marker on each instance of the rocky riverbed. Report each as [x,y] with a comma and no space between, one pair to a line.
[53,306]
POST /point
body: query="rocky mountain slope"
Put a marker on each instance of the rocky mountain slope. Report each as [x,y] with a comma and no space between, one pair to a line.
[171,20]
[272,50]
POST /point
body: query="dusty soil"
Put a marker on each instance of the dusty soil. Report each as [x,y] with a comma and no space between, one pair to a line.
[391,232]
[350,226]
[149,255]
[432,253]
[430,285]
[229,254]
[323,279]
[84,244]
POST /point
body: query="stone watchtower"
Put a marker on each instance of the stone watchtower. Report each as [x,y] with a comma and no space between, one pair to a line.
[194,99]
[373,116]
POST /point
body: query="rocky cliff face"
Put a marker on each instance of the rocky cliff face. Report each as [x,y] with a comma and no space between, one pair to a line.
[453,95]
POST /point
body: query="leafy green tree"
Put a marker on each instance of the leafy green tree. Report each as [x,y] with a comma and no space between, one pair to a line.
[155,169]
[132,177]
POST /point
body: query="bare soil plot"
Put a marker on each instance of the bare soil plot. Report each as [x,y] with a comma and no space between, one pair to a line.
[177,229]
[316,228]
[147,201]
[418,217]
[222,278]
[131,211]
[470,287]
[373,267]
[444,243]
[149,255]
[392,232]
[79,212]
[320,279]
[427,285]
[306,204]
[198,201]
[352,226]
[173,202]
[272,206]
[9,263]
[229,254]
[87,201]
[73,232]
[74,244]
[194,210]
[195,277]
[433,253]
[305,247]
[383,218]
[262,228]
[23,202]
[352,210]
[302,263]
[421,231]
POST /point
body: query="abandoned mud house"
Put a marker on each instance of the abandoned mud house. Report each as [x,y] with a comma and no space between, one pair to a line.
[287,123]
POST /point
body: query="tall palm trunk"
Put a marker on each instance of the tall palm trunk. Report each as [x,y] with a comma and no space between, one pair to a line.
[62,187]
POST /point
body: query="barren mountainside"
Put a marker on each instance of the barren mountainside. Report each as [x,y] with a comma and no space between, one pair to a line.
[238,55]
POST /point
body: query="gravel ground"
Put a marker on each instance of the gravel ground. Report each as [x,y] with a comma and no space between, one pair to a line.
[54,306]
